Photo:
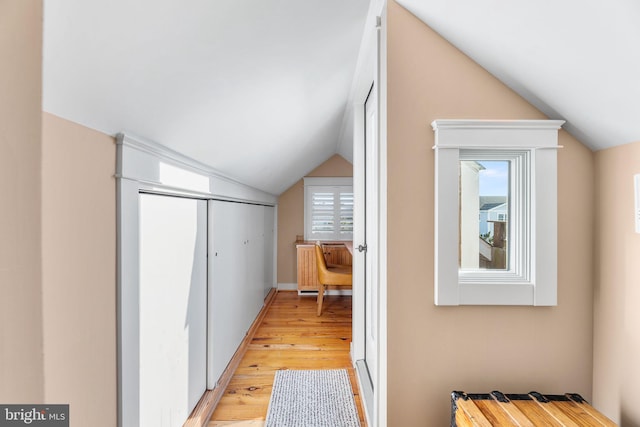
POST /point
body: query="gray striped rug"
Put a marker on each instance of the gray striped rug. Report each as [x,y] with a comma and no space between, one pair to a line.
[317,398]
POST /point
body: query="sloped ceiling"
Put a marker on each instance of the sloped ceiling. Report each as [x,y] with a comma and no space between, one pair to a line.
[258,88]
[254,88]
[574,60]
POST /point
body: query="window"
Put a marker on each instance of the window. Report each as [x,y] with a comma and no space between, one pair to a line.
[495,212]
[328,208]
[491,184]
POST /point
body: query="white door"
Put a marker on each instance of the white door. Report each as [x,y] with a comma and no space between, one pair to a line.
[369,235]
[173,308]
[371,219]
[227,244]
[236,288]
[268,249]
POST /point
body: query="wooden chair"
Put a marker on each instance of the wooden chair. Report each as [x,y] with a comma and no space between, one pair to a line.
[330,277]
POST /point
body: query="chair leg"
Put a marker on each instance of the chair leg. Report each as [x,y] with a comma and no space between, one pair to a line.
[320,298]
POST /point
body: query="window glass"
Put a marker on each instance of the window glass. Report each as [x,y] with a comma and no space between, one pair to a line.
[484,206]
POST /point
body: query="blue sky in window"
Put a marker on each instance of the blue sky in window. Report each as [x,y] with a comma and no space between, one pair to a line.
[494,179]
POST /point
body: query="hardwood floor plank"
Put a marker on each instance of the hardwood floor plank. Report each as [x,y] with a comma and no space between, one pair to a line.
[290,336]
[209,401]
[241,423]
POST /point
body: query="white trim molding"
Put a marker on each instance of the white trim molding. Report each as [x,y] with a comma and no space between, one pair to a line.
[159,168]
[531,276]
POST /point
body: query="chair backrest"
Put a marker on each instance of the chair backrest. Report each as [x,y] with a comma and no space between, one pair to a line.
[321,263]
[333,277]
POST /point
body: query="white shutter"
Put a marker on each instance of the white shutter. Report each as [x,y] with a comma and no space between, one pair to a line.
[322,213]
[328,212]
[346,213]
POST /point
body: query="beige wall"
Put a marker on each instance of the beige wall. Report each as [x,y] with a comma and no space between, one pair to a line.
[291,216]
[21,360]
[434,350]
[616,382]
[57,251]
[79,270]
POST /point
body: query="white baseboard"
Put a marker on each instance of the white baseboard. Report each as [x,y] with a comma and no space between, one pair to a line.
[294,287]
[342,292]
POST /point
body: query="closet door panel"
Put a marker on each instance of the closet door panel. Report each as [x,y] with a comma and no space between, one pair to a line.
[226,282]
[237,263]
[256,256]
[268,249]
[173,311]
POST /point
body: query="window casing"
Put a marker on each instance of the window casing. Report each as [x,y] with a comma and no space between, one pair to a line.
[529,276]
[328,208]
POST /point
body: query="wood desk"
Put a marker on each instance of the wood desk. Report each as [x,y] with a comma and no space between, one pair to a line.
[335,252]
[349,246]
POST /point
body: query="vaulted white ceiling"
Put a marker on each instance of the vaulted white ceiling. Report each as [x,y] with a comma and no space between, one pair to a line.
[254,88]
[258,88]
[574,60]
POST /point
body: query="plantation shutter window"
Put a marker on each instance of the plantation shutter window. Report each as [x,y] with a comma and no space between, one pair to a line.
[346,213]
[328,208]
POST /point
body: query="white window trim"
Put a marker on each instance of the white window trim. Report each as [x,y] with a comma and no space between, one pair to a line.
[536,283]
[314,183]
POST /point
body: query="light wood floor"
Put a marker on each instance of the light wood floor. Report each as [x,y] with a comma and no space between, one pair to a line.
[290,337]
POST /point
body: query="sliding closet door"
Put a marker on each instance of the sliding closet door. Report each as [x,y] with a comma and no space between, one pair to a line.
[256,253]
[227,267]
[236,290]
[173,310]
[269,249]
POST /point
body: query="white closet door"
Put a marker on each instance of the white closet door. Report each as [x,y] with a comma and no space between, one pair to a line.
[268,241]
[173,311]
[226,271]
[257,256]
[236,278]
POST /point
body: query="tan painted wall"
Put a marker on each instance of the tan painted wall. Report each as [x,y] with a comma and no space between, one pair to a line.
[616,383]
[21,361]
[291,216]
[434,350]
[79,270]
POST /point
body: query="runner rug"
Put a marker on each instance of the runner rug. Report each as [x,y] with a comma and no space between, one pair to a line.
[316,398]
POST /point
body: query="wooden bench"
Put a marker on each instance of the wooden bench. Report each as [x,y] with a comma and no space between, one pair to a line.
[525,410]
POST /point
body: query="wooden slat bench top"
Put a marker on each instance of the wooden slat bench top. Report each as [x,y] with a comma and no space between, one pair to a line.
[524,410]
